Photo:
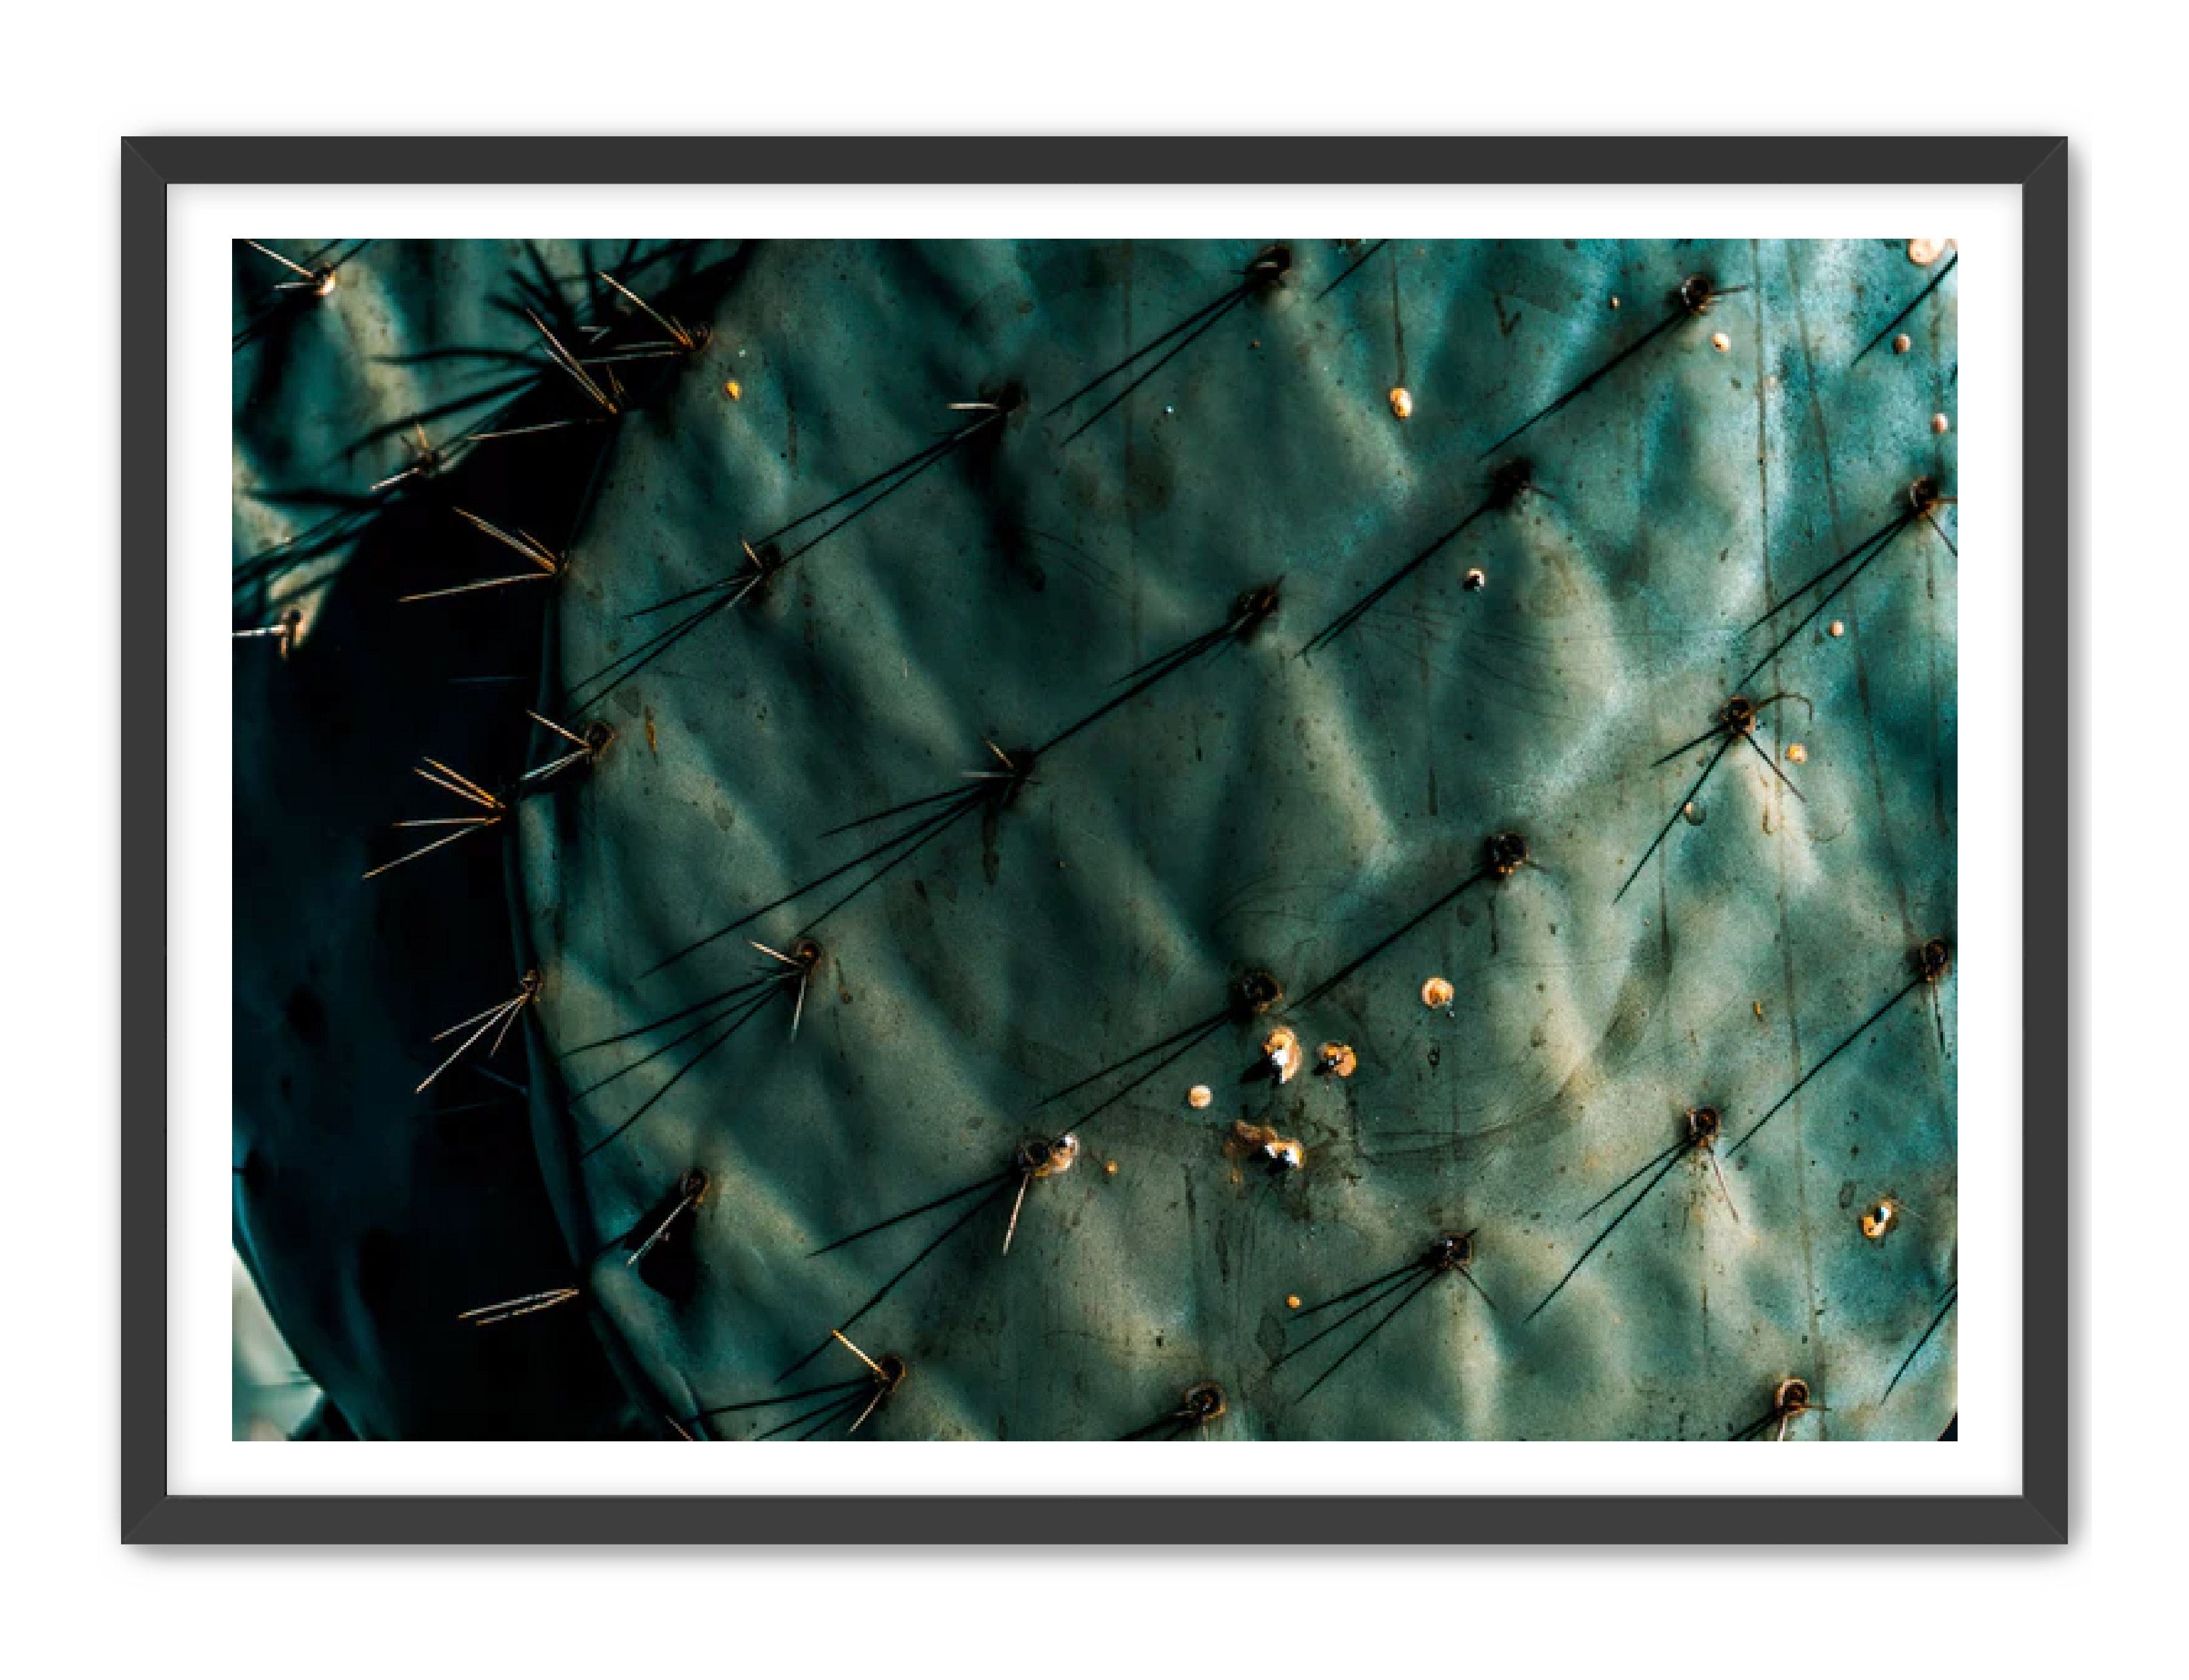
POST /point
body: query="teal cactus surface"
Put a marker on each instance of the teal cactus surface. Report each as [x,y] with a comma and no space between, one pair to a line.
[955,763]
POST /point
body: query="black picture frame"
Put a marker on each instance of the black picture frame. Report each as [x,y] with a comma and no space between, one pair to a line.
[2038,166]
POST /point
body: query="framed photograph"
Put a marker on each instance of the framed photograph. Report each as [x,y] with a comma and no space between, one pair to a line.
[930,812]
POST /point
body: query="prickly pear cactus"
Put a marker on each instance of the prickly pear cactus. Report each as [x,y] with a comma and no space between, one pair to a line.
[1326,839]
[361,1203]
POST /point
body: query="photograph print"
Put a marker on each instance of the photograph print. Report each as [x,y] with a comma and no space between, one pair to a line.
[1209,841]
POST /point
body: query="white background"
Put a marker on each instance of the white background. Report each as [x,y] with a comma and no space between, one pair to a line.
[1567,67]
[202,224]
